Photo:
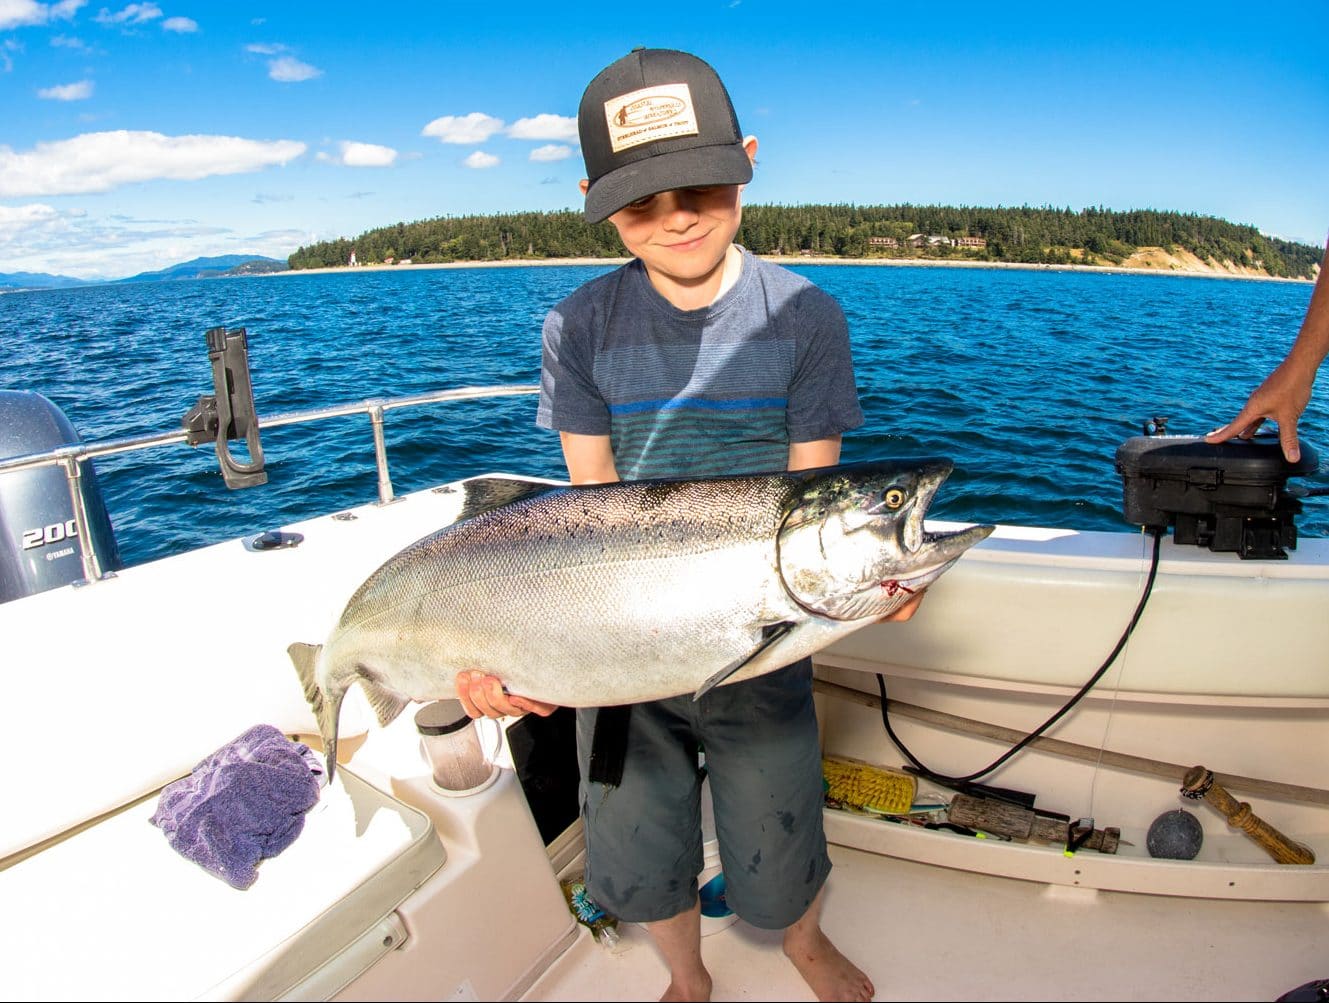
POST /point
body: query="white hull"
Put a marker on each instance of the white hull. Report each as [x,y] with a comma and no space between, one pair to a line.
[117,688]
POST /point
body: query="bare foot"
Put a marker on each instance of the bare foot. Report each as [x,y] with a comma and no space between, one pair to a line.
[694,989]
[829,974]
[679,940]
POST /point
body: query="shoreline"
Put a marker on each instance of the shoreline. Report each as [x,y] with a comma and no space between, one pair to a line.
[1213,273]
[1180,270]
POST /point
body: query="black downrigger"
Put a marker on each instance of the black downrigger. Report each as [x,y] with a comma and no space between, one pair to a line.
[1230,496]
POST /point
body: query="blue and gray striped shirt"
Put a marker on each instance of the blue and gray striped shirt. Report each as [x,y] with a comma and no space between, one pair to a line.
[695,393]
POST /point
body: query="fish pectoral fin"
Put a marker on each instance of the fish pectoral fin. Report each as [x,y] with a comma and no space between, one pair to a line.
[771,634]
[387,703]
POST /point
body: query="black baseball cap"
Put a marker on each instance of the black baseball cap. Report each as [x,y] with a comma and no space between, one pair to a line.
[656,120]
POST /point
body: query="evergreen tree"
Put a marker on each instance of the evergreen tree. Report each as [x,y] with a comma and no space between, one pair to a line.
[1043,234]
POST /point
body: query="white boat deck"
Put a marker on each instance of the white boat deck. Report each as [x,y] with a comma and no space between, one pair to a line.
[1004,639]
[924,932]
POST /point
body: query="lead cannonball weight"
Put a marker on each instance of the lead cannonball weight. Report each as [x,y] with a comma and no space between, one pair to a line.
[1176,835]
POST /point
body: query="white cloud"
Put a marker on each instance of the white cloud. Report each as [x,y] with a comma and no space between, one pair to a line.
[544,154]
[479,160]
[135,13]
[464,129]
[353,154]
[21,217]
[180,25]
[544,127]
[20,13]
[67,92]
[39,238]
[26,13]
[284,68]
[101,161]
[70,42]
[288,70]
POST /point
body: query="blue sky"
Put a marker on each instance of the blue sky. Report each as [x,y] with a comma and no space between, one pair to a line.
[133,136]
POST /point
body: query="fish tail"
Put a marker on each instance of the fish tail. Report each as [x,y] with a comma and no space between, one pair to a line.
[324,705]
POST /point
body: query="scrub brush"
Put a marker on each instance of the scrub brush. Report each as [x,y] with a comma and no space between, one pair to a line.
[864,787]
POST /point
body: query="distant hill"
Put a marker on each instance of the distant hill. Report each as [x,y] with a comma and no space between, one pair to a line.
[199,268]
[37,280]
[207,268]
[258,266]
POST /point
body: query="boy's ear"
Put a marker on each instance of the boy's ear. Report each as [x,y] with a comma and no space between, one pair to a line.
[585,185]
[750,148]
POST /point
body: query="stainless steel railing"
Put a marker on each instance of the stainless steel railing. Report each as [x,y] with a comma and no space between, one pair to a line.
[69,457]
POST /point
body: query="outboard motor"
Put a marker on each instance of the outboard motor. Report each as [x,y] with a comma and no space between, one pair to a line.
[39,545]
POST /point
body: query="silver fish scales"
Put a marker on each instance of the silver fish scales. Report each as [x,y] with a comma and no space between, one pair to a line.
[633,591]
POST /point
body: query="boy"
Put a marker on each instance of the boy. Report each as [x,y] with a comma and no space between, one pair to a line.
[695,359]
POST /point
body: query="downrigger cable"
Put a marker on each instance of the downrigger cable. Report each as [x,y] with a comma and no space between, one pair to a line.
[942,778]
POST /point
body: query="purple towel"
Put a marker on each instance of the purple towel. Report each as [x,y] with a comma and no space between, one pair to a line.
[245,802]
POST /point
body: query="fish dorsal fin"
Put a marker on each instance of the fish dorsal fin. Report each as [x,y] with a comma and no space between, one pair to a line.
[484,494]
[387,703]
[771,635]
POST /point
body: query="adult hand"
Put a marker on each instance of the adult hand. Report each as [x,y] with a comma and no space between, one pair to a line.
[482,695]
[1282,397]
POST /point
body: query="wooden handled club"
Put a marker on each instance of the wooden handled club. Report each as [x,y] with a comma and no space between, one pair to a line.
[1198,784]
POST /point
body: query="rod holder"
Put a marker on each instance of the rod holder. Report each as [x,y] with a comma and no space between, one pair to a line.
[229,412]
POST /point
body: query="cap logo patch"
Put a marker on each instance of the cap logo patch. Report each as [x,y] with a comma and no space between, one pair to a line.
[652,113]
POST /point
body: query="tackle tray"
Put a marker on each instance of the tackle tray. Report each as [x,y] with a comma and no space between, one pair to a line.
[1229,496]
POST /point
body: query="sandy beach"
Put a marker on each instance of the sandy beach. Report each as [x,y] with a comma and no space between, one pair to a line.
[1146,261]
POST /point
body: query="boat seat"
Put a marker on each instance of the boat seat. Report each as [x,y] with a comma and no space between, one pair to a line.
[113,912]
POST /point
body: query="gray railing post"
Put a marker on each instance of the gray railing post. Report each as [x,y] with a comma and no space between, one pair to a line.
[380,453]
[92,569]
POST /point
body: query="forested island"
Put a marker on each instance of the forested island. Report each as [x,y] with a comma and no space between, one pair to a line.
[1025,235]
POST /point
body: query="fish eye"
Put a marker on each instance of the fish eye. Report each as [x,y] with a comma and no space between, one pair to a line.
[893,498]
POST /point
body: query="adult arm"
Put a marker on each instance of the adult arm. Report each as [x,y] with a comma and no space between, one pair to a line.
[1285,392]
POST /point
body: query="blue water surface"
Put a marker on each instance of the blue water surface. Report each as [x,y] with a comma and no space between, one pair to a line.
[1028,379]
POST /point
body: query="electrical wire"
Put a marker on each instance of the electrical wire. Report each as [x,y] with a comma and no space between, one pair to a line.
[1065,709]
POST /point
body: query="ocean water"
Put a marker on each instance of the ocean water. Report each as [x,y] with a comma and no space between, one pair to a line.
[1028,380]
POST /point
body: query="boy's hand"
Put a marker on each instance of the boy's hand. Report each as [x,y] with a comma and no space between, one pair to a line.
[482,695]
[906,611]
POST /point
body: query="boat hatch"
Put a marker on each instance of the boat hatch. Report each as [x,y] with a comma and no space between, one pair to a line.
[150,924]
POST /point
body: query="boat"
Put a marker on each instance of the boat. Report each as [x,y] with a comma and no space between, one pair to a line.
[121,680]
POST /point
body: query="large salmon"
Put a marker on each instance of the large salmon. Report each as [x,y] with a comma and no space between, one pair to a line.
[618,593]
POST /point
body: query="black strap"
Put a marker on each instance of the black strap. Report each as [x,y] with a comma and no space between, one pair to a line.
[609,745]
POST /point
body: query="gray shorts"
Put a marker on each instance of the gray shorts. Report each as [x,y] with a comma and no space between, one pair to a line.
[763,758]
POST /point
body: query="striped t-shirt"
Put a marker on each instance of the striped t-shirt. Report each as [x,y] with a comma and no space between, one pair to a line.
[695,393]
